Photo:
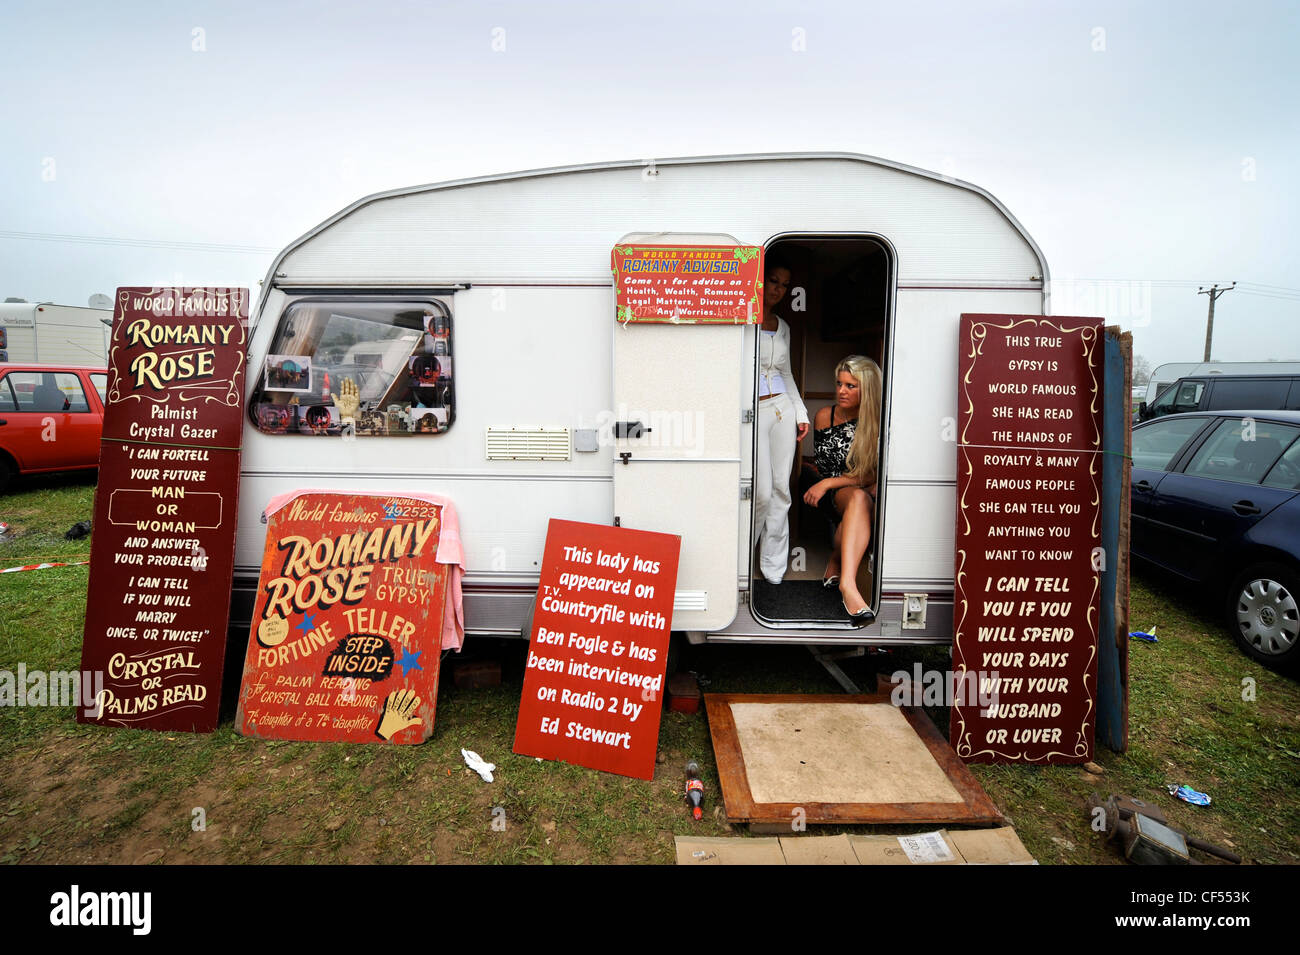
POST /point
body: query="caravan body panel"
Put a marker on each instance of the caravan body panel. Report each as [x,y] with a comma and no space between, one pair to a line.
[524,262]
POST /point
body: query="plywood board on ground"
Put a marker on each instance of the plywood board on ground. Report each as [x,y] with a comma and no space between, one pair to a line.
[841,759]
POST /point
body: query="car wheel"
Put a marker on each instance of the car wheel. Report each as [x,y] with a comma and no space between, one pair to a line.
[1264,613]
[8,471]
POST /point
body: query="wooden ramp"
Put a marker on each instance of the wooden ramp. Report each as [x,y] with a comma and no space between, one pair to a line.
[838,759]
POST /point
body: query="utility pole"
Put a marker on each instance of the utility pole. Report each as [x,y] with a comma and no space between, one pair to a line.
[1214,292]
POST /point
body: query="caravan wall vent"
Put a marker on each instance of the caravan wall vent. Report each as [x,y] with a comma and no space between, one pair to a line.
[528,444]
[690,600]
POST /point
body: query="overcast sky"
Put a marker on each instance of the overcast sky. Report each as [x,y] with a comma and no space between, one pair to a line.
[1148,147]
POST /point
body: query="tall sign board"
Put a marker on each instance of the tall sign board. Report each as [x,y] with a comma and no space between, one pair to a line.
[1028,536]
[163,548]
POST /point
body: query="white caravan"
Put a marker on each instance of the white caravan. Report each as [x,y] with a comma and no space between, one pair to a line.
[55,334]
[495,374]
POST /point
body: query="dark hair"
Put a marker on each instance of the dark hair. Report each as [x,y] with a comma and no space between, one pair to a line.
[776,261]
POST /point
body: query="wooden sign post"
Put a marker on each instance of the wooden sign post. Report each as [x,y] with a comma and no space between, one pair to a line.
[163,548]
[347,628]
[598,651]
[1028,554]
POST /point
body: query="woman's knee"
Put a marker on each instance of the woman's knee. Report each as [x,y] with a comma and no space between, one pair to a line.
[852,497]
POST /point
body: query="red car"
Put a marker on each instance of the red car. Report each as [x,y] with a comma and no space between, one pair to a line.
[51,418]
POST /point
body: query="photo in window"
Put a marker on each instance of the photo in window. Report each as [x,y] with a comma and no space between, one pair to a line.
[288,373]
[384,365]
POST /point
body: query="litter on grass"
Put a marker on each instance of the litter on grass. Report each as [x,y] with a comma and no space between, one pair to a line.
[1188,794]
[475,762]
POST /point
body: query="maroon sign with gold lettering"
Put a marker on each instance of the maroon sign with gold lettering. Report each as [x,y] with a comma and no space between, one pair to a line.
[1028,555]
[163,547]
[348,625]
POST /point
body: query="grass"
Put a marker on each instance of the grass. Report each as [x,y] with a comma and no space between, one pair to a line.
[1200,713]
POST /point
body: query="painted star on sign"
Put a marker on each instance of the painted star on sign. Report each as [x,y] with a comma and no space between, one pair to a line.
[308,623]
[409,662]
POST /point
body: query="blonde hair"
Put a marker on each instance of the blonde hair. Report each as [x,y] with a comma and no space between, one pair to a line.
[863,456]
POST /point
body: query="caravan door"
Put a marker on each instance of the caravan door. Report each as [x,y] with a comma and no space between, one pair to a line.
[680,394]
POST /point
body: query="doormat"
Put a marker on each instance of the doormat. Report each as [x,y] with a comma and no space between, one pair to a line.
[785,759]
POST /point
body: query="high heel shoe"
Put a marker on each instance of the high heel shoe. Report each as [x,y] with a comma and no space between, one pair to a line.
[832,581]
[860,615]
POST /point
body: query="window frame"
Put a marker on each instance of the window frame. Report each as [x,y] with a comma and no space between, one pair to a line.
[395,302]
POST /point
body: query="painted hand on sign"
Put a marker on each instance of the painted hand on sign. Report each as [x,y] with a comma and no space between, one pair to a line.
[397,716]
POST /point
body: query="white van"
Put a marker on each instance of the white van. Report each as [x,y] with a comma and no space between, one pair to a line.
[1165,375]
[498,376]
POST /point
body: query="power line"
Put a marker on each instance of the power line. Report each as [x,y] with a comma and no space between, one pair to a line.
[1185,283]
[139,243]
[1282,298]
[1278,288]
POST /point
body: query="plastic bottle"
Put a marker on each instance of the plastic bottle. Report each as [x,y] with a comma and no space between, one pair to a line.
[694,790]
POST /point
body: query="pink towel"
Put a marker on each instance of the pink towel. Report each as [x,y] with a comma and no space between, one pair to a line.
[449,551]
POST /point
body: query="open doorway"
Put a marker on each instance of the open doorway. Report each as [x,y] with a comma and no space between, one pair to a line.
[839,303]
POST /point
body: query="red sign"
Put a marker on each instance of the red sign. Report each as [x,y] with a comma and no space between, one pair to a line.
[1028,554]
[163,548]
[593,687]
[688,285]
[347,628]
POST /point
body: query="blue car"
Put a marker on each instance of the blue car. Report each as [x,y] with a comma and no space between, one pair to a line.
[1216,500]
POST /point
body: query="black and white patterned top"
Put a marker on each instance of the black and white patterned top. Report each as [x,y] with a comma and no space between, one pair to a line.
[831,447]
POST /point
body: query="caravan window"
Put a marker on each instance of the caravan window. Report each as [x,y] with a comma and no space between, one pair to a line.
[375,368]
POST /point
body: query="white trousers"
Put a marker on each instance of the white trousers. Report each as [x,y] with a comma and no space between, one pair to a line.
[776,448]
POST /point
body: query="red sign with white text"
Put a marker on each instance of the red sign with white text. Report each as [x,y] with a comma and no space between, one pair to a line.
[166,505]
[598,649]
[688,285]
[1028,554]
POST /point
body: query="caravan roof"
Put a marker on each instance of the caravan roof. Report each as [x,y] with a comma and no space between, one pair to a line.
[556,226]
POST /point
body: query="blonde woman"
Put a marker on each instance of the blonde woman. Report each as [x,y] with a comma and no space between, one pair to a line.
[846,445]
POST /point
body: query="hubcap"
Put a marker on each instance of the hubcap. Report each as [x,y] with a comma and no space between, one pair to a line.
[1269,617]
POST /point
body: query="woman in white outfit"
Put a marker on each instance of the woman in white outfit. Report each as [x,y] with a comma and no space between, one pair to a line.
[782,423]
